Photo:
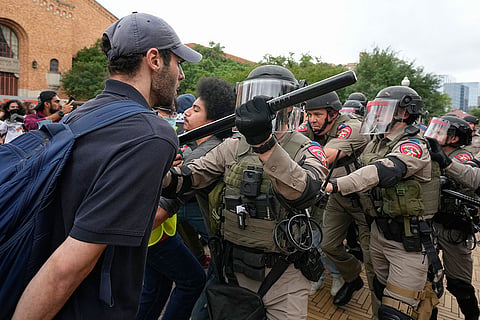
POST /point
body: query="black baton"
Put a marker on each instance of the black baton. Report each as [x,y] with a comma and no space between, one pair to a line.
[289,99]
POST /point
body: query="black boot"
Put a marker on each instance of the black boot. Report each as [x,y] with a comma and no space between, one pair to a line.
[469,308]
[344,295]
[465,294]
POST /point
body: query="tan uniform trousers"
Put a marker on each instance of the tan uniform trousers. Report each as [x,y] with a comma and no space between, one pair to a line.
[457,258]
[394,265]
[339,213]
[287,299]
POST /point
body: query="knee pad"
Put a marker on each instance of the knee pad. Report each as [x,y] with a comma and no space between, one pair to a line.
[389,313]
[460,289]
[378,288]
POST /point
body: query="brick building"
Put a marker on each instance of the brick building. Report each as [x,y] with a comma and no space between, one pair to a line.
[39,38]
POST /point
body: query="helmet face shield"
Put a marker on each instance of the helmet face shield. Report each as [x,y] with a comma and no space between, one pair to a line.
[287,119]
[348,111]
[379,116]
[248,89]
[438,129]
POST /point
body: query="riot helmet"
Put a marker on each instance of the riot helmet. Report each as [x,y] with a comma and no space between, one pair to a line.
[358,96]
[445,128]
[325,101]
[318,121]
[353,107]
[459,128]
[390,106]
[472,121]
[272,81]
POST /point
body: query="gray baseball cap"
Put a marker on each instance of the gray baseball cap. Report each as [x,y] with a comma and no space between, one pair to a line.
[139,32]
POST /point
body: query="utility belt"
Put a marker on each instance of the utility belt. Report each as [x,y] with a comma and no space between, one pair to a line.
[396,229]
[413,233]
[251,262]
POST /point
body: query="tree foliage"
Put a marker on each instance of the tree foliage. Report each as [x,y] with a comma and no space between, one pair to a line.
[307,68]
[215,63]
[376,70]
[382,68]
[88,73]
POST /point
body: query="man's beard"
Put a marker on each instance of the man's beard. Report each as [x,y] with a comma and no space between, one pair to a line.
[52,110]
[163,89]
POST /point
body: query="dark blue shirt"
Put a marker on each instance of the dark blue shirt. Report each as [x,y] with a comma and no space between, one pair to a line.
[108,194]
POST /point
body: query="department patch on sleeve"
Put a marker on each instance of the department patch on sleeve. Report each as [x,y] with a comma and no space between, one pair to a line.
[463,157]
[411,149]
[316,150]
[303,127]
[344,131]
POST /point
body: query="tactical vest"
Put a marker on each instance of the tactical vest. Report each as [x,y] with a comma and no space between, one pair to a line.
[409,197]
[263,210]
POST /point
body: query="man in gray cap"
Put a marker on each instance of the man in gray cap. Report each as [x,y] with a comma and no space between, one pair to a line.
[108,193]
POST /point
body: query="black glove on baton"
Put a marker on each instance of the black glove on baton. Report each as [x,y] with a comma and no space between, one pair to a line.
[437,153]
[254,120]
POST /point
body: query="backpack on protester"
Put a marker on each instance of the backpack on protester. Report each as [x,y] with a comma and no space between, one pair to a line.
[29,168]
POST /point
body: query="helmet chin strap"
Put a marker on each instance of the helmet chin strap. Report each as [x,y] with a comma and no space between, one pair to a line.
[318,132]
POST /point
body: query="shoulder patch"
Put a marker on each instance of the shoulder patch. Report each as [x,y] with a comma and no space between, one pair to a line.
[411,149]
[463,157]
[414,140]
[344,131]
[317,151]
[303,127]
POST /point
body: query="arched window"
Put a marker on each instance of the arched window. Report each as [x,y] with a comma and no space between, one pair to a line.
[8,43]
[54,65]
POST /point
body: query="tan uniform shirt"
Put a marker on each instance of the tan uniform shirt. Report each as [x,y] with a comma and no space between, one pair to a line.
[474,147]
[346,137]
[287,176]
[412,152]
[466,175]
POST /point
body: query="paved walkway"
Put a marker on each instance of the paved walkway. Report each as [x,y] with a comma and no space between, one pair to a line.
[321,304]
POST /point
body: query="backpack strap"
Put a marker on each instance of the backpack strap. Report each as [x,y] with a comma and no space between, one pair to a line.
[96,118]
[105,115]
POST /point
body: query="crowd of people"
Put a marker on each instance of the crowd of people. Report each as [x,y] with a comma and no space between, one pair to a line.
[263,210]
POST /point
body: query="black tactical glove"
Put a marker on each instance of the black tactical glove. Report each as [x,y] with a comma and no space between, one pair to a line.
[254,120]
[437,153]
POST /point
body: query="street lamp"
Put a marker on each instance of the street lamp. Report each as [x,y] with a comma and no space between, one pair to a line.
[405,82]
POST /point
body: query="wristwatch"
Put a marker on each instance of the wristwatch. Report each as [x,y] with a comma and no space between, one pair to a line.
[60,113]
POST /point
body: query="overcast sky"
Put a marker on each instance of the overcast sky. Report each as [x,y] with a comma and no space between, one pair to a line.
[442,36]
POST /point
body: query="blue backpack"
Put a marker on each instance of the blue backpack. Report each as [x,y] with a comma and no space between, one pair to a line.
[29,168]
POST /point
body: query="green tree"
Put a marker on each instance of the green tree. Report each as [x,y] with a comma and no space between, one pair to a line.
[475,112]
[88,73]
[382,68]
[308,68]
[215,63]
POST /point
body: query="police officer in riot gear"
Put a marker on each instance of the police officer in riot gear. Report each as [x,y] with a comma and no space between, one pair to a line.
[358,96]
[453,228]
[405,191]
[355,105]
[340,134]
[269,171]
[474,147]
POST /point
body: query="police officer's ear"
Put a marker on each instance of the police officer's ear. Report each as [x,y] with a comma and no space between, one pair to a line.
[453,139]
